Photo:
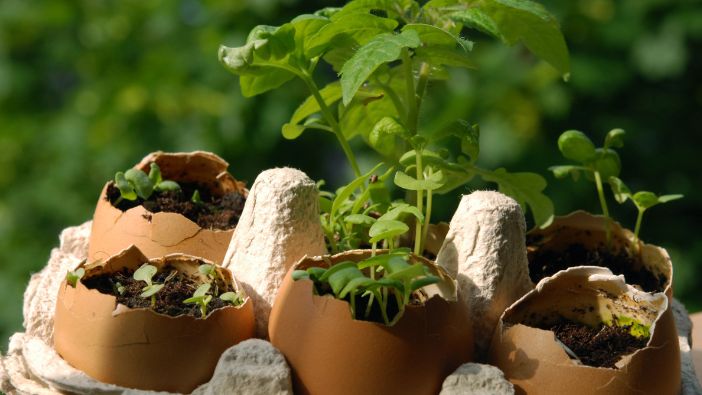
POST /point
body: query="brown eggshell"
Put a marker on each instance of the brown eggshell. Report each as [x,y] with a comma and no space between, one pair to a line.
[535,362]
[139,348]
[589,230]
[331,353]
[164,233]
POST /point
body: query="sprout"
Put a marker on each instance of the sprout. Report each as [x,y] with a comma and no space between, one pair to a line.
[73,277]
[146,273]
[200,298]
[134,184]
[234,298]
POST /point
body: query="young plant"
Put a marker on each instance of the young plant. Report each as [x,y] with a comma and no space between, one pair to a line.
[72,277]
[201,298]
[134,184]
[146,273]
[643,200]
[386,53]
[597,164]
[233,298]
[210,272]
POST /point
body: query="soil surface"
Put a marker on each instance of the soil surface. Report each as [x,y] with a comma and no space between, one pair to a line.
[169,300]
[212,212]
[545,263]
[599,347]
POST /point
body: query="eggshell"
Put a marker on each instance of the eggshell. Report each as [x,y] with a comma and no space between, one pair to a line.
[140,348]
[589,230]
[329,352]
[535,362]
[164,233]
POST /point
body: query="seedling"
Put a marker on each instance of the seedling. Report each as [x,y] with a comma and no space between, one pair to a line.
[196,197]
[210,272]
[72,277]
[386,53]
[597,164]
[201,298]
[643,200]
[146,273]
[134,184]
[233,298]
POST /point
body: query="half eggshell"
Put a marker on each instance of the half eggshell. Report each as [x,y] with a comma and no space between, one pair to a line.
[331,353]
[588,230]
[159,234]
[140,348]
[536,363]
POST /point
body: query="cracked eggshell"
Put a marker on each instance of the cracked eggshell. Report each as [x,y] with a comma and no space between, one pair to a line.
[535,363]
[140,348]
[329,352]
[589,230]
[164,233]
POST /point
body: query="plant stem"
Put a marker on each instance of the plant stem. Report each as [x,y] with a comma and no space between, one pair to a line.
[326,112]
[605,210]
[412,109]
[637,228]
[420,203]
[427,218]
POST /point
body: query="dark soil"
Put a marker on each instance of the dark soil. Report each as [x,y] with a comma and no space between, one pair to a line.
[212,212]
[599,347]
[169,300]
[545,263]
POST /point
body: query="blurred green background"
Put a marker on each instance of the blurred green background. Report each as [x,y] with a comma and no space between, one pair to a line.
[89,87]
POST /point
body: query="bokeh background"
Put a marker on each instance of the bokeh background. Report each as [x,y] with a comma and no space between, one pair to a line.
[89,87]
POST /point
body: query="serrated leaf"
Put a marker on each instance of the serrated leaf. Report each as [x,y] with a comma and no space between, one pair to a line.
[575,145]
[477,19]
[358,26]
[381,49]
[405,181]
[434,35]
[615,138]
[528,22]
[360,116]
[527,190]
[620,191]
[382,230]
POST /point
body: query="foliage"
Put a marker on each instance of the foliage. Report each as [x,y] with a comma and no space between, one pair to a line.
[201,298]
[72,277]
[393,280]
[146,273]
[233,298]
[134,183]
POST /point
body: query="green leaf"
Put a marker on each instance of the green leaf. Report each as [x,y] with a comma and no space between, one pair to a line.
[73,277]
[150,290]
[669,198]
[645,199]
[340,278]
[359,219]
[383,230]
[437,56]
[300,275]
[155,174]
[207,269]
[430,34]
[528,22]
[196,197]
[339,266]
[405,181]
[202,290]
[567,170]
[167,185]
[406,274]
[381,49]
[401,210]
[145,273]
[252,85]
[330,94]
[620,191]
[232,297]
[477,19]
[615,138]
[384,136]
[348,190]
[526,189]
[354,284]
[142,185]
[358,26]
[468,134]
[607,163]
[423,282]
[126,190]
[575,145]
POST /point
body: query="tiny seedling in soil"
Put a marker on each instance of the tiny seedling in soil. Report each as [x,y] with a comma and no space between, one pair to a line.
[146,273]
[201,298]
[134,188]
[600,346]
[177,287]
[233,298]
[73,277]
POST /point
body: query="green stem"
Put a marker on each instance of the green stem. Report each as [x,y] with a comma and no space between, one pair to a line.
[637,228]
[420,204]
[353,303]
[427,218]
[605,210]
[329,116]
